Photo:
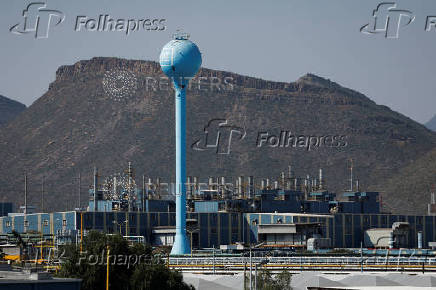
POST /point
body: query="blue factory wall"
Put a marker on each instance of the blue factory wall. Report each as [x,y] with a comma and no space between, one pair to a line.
[151,205]
[345,230]
[208,206]
[48,223]
[289,201]
[6,208]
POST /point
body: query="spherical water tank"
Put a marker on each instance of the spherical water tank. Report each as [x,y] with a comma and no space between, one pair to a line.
[180,58]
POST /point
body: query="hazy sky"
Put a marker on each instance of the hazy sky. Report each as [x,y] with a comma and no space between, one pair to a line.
[274,40]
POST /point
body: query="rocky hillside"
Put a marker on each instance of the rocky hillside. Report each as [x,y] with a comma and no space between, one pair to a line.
[109,111]
[431,124]
[9,109]
[414,182]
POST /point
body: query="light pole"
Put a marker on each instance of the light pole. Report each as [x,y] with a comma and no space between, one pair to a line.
[56,236]
[79,189]
[42,194]
[262,263]
[255,277]
[81,231]
[191,228]
[120,225]
[214,259]
[42,236]
[251,266]
[107,268]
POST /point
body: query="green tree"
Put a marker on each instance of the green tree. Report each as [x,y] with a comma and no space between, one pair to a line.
[283,280]
[131,267]
[268,281]
[148,277]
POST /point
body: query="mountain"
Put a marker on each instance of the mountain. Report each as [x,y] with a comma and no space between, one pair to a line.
[416,179]
[431,124]
[109,111]
[9,109]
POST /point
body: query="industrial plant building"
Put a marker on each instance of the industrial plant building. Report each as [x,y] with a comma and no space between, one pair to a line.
[290,212]
[224,228]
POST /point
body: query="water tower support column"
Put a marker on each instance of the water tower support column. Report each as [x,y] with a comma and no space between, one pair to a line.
[181,245]
[180,60]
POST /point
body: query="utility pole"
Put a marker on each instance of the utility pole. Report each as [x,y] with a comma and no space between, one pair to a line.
[251,266]
[255,276]
[143,193]
[95,188]
[42,194]
[80,189]
[127,224]
[42,237]
[245,274]
[107,268]
[214,259]
[191,244]
[81,232]
[25,194]
[130,187]
[361,257]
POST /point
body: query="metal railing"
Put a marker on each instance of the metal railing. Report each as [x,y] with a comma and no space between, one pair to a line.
[390,263]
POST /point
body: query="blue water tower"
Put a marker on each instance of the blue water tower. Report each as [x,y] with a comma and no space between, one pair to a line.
[180,60]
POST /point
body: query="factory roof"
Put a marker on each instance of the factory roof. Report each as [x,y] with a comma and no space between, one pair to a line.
[367,281]
[297,214]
